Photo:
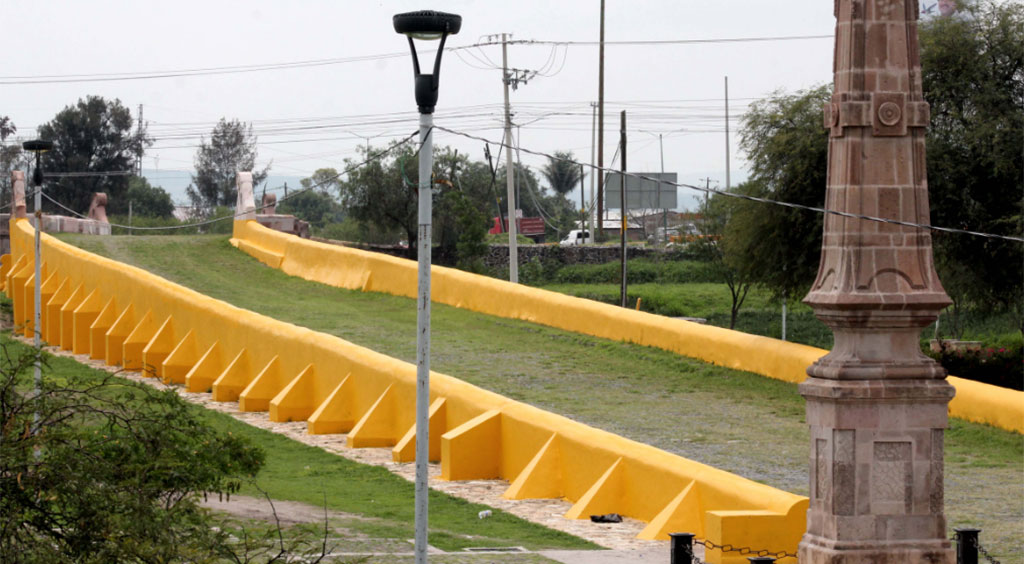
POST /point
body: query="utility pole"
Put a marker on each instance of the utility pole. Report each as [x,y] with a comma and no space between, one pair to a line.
[600,132]
[138,163]
[664,211]
[728,183]
[513,250]
[583,204]
[622,195]
[593,172]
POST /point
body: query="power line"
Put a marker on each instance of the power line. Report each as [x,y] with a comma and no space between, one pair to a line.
[237,69]
[754,198]
[238,213]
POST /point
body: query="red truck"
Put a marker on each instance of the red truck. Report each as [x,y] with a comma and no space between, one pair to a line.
[532,227]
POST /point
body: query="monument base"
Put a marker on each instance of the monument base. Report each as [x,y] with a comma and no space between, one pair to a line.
[818,550]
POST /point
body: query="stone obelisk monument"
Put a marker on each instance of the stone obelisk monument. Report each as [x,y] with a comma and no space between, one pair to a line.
[876,405]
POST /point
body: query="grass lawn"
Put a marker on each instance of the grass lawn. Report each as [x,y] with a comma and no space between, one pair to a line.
[736,421]
[380,500]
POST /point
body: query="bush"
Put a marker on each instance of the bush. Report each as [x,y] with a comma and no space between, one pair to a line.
[99,469]
[639,271]
[997,366]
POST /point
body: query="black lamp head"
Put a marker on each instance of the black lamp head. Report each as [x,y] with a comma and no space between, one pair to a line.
[37,145]
[427,25]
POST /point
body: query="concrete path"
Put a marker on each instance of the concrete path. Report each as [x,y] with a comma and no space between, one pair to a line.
[646,556]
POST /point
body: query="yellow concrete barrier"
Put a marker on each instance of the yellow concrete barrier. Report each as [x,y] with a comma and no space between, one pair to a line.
[295,373]
[361,270]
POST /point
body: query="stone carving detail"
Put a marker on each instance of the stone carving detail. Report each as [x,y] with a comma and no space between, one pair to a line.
[820,468]
[892,479]
[844,470]
[937,473]
[889,113]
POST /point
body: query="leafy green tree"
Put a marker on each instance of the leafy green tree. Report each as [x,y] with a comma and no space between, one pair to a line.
[93,136]
[232,148]
[561,172]
[11,158]
[778,247]
[318,208]
[973,79]
[716,213]
[322,180]
[383,193]
[111,471]
[146,200]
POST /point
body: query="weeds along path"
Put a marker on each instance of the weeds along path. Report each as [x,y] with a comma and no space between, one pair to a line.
[736,421]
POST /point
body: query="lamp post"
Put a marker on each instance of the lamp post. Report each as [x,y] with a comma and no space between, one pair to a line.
[38,146]
[424,25]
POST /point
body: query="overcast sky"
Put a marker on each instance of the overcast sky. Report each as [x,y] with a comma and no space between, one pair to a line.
[312,117]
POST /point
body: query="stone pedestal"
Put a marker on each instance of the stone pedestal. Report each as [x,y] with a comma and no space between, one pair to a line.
[876,405]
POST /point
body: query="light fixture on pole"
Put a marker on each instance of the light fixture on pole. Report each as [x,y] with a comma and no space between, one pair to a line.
[426,25]
[38,146]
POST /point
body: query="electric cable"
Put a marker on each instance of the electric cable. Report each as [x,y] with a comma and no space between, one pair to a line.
[755,198]
[356,166]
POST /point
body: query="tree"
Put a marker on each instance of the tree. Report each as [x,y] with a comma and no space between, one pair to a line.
[317,208]
[778,248]
[709,248]
[94,136]
[111,471]
[325,180]
[383,193]
[562,172]
[973,79]
[232,149]
[11,158]
[147,200]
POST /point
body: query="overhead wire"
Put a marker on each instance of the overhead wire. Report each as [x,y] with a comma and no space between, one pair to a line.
[368,160]
[751,198]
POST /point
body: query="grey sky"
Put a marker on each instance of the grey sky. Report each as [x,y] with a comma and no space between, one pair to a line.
[672,89]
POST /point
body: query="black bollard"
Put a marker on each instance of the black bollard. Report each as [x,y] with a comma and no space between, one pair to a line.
[682,548]
[967,545]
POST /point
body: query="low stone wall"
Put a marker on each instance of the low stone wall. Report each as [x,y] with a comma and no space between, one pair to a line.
[497,257]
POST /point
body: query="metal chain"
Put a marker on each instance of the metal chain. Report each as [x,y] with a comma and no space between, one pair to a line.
[743,550]
[981,549]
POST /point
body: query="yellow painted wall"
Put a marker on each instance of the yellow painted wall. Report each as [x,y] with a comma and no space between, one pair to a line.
[374,272]
[480,434]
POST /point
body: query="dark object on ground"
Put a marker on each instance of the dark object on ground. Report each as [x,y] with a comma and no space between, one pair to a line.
[608,518]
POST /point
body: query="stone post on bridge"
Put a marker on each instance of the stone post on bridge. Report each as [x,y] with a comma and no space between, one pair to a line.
[245,203]
[876,406]
[18,194]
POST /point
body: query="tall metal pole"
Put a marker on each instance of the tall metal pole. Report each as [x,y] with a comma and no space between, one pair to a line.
[622,195]
[37,181]
[423,335]
[600,132]
[513,250]
[593,172]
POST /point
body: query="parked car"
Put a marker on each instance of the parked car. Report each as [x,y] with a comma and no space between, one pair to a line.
[576,237]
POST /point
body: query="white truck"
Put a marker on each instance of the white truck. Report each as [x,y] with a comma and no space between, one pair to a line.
[576,237]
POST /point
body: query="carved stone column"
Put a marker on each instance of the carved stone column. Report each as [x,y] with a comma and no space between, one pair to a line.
[876,405]
[18,194]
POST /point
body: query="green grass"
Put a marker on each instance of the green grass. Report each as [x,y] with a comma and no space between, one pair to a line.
[736,421]
[298,472]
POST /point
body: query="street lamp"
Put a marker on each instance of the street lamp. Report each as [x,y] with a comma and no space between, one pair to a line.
[424,25]
[38,146]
